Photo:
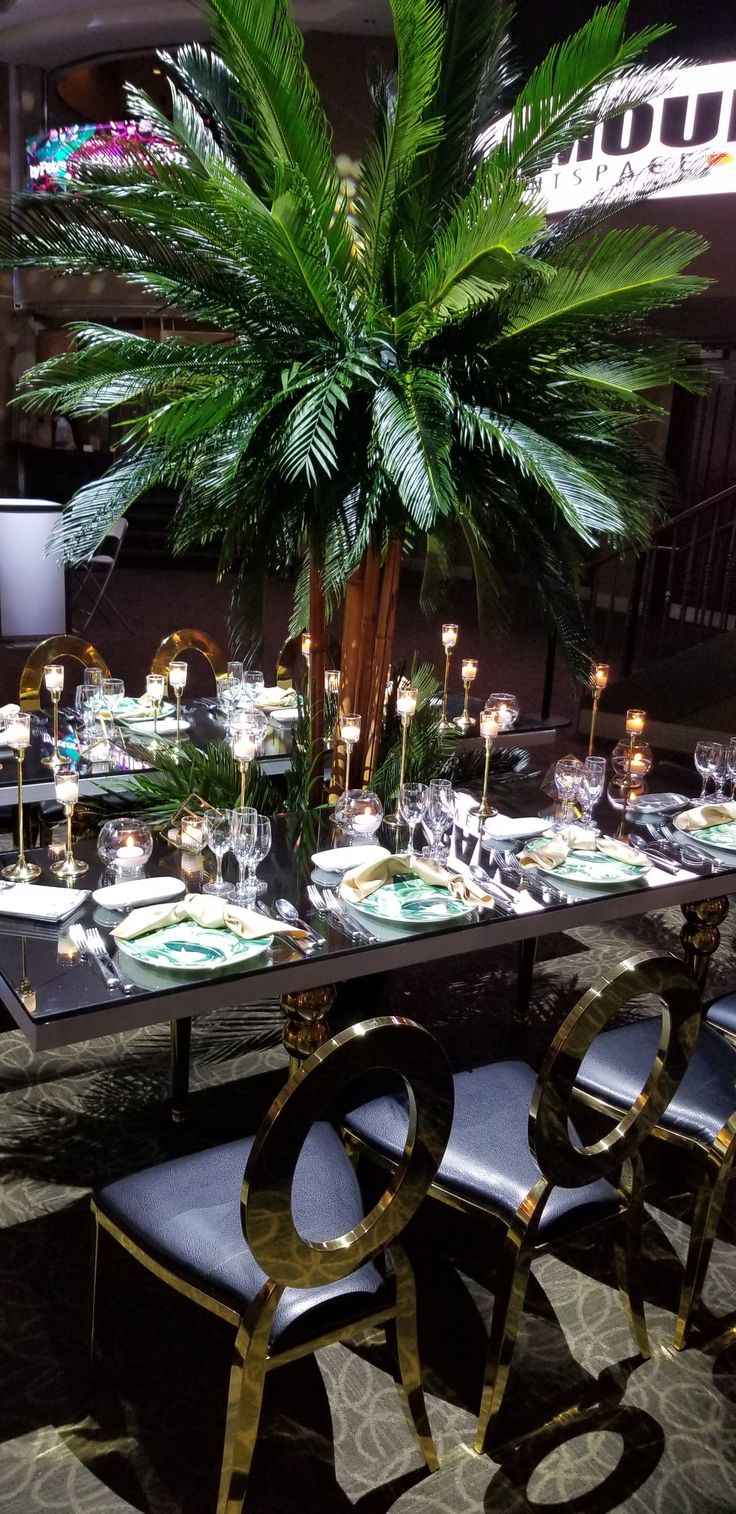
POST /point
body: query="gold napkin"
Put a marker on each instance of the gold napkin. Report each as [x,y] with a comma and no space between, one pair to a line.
[362,881]
[203,909]
[553,850]
[705,815]
[270,698]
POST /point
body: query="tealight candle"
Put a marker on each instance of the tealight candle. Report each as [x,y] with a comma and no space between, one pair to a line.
[66,783]
[53,677]
[489,724]
[635,722]
[350,728]
[177,675]
[67,786]
[470,668]
[192,835]
[364,820]
[449,636]
[332,680]
[406,702]
[129,854]
[18,732]
[599,675]
[155,687]
[243,746]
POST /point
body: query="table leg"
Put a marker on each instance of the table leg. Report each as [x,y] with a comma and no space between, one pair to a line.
[700,935]
[305,1028]
[524,976]
[181,1038]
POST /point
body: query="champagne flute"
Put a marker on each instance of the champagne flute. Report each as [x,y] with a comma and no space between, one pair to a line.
[218,835]
[439,816]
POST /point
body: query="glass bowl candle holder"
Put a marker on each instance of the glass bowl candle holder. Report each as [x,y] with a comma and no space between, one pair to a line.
[359,814]
[631,762]
[506,709]
[125,845]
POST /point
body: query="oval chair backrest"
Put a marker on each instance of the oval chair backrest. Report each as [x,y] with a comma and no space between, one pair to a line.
[53,649]
[559,1159]
[378,1046]
[189,640]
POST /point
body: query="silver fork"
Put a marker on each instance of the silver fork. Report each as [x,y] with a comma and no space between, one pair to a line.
[100,952]
[331,908]
[345,920]
[78,935]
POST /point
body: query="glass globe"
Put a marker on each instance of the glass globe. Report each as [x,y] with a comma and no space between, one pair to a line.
[506,709]
[639,758]
[359,814]
[125,845]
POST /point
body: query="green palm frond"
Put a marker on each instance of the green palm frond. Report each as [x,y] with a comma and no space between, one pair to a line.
[209,772]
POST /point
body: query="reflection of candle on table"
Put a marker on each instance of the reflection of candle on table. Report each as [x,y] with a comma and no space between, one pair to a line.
[635,722]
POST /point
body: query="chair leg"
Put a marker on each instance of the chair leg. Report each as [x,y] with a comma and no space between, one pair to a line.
[708,1206]
[244,1400]
[94,1350]
[407,1347]
[508,1305]
[627,1253]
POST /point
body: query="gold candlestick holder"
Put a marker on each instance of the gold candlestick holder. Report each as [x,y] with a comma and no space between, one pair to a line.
[598,681]
[53,677]
[449,642]
[465,722]
[67,793]
[349,734]
[18,737]
[177,681]
[332,710]
[489,731]
[155,692]
[634,728]
[406,708]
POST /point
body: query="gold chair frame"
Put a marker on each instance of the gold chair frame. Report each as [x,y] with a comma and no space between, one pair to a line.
[51,650]
[616,1156]
[189,640]
[289,1261]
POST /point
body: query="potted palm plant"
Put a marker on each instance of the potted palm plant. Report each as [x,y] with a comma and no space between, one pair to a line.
[434,365]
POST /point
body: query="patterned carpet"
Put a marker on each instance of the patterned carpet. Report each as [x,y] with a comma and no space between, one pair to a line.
[145,1433]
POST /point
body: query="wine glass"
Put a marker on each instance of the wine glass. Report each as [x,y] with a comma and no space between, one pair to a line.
[717,768]
[703,758]
[439,816]
[217,834]
[242,839]
[235,670]
[413,800]
[230,694]
[113,690]
[85,703]
[592,783]
[259,850]
[731,763]
[253,685]
[568,772]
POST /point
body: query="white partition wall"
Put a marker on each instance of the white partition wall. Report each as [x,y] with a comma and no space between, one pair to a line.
[32,602]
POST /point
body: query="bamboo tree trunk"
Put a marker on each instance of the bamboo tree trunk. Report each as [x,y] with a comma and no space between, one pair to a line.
[385,627]
[350,661]
[316,678]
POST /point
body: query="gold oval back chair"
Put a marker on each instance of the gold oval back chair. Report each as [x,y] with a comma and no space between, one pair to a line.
[189,640]
[514,1155]
[253,1250]
[55,649]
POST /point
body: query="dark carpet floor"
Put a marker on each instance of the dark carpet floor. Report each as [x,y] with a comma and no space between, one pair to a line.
[656,1437]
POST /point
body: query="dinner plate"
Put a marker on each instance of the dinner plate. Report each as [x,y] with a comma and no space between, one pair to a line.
[164,726]
[189,948]
[504,828]
[342,859]
[128,708]
[594,869]
[411,901]
[35,901]
[138,891]
[723,836]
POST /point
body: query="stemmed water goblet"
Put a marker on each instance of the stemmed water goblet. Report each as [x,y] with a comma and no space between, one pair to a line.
[218,836]
[413,800]
[258,853]
[253,685]
[438,818]
[230,694]
[717,768]
[708,756]
[568,772]
[591,786]
[242,838]
[731,764]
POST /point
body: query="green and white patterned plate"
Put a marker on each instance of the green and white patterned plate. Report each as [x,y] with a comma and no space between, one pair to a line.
[593,869]
[411,901]
[192,948]
[723,835]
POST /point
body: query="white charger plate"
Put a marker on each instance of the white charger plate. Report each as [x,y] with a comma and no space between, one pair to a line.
[117,896]
[342,859]
[504,828]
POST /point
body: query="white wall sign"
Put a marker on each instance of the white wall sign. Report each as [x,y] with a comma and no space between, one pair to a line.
[691,126]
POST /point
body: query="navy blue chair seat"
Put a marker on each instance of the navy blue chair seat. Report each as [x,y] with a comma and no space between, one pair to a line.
[186,1216]
[617,1063]
[487,1160]
[721,1014]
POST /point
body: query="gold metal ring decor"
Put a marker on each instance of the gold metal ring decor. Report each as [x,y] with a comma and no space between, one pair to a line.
[288,1260]
[49,652]
[189,640]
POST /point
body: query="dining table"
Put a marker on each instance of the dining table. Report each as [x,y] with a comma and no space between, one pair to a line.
[56,997]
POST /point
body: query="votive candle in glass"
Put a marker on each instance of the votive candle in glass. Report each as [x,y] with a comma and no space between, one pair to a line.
[449,636]
[635,722]
[470,669]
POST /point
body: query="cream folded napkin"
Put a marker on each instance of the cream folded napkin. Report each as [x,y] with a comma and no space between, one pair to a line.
[271,698]
[706,815]
[203,909]
[554,849]
[9,709]
[362,881]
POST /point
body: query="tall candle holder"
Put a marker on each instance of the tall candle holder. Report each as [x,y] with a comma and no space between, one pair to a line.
[243,745]
[598,680]
[66,783]
[155,692]
[465,721]
[349,734]
[489,731]
[18,738]
[53,677]
[332,709]
[178,672]
[635,720]
[406,709]
[449,642]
